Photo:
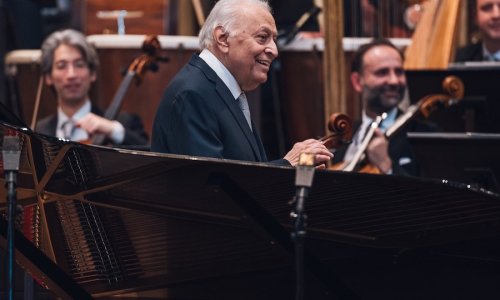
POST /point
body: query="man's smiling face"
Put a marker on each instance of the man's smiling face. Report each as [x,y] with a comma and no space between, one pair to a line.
[252,48]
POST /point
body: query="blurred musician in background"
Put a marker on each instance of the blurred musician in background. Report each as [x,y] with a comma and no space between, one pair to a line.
[362,18]
[377,74]
[487,19]
[204,111]
[288,12]
[377,18]
[69,64]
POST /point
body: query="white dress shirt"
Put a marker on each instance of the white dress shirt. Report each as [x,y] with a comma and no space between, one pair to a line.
[214,63]
[79,134]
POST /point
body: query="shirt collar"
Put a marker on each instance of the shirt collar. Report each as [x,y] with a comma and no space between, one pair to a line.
[389,120]
[62,117]
[488,56]
[386,123]
[215,64]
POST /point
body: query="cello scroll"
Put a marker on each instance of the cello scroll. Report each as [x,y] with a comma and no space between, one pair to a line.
[340,126]
[453,88]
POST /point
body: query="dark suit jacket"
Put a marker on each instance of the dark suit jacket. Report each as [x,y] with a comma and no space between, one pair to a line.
[400,151]
[472,52]
[199,116]
[134,130]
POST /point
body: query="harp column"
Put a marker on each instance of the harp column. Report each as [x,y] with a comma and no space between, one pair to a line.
[334,84]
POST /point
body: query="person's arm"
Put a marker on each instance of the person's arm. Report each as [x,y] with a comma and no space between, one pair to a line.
[127,130]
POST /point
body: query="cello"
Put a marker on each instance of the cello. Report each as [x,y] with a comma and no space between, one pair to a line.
[340,126]
[146,61]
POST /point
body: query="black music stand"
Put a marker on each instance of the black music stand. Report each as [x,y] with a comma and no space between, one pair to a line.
[470,158]
[478,111]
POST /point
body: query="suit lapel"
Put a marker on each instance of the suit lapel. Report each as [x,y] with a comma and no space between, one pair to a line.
[262,151]
[233,107]
[235,110]
[51,126]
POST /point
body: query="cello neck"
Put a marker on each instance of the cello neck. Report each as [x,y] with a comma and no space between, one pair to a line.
[113,110]
[402,120]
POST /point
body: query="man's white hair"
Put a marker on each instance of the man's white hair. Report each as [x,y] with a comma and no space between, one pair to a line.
[225,13]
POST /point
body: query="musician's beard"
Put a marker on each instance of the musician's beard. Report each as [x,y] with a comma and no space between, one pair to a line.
[383,98]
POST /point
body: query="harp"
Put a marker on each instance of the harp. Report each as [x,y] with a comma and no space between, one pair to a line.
[434,38]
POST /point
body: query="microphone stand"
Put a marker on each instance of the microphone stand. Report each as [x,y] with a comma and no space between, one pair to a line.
[11,153]
[303,182]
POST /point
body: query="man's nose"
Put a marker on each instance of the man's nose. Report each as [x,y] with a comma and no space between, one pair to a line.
[71,71]
[393,78]
[272,49]
[496,10]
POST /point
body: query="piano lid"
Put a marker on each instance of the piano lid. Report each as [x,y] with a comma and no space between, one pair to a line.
[189,218]
[377,210]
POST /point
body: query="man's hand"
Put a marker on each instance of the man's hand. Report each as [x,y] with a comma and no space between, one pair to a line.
[93,124]
[321,154]
[378,152]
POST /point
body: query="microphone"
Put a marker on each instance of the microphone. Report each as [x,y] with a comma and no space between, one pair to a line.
[303,181]
[288,37]
[305,171]
[304,176]
[11,153]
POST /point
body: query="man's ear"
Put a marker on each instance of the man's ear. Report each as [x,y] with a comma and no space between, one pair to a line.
[356,81]
[93,76]
[48,79]
[220,37]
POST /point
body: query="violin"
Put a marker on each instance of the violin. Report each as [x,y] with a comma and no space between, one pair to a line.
[146,61]
[453,92]
[340,126]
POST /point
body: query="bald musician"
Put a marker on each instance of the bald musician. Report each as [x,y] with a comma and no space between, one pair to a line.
[377,74]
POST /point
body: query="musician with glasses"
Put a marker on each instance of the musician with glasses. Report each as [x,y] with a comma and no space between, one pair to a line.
[69,64]
[377,74]
[487,18]
[204,110]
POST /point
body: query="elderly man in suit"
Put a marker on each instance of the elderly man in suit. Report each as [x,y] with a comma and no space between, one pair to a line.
[69,64]
[204,111]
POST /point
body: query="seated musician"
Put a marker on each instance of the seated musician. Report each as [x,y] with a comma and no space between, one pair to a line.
[204,111]
[487,18]
[377,74]
[69,64]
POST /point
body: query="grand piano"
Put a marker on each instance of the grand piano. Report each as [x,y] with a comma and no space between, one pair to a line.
[106,223]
